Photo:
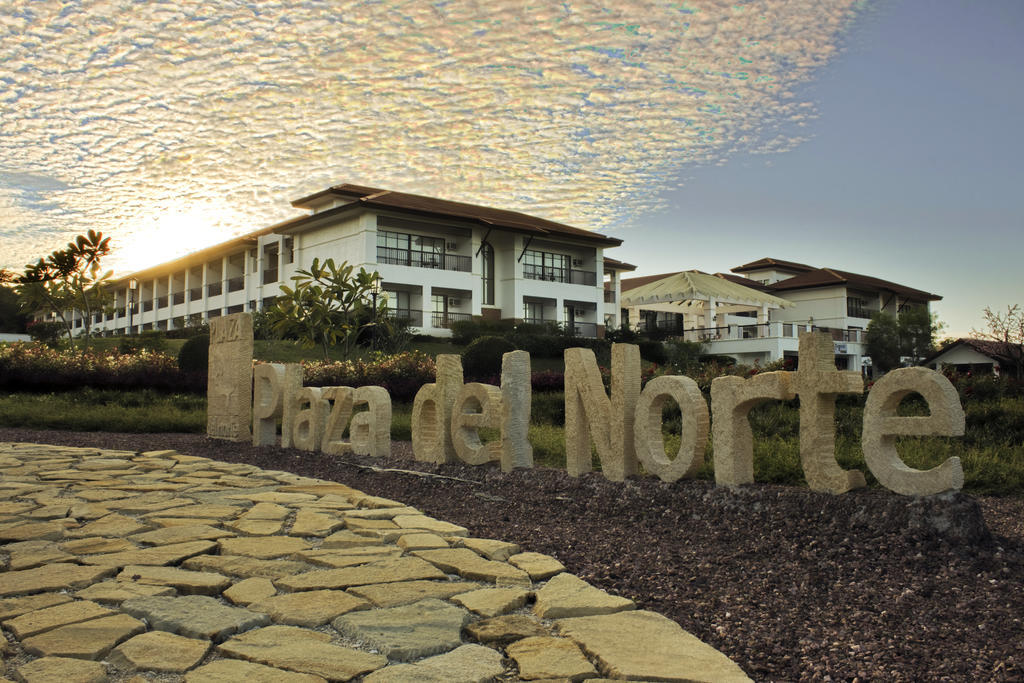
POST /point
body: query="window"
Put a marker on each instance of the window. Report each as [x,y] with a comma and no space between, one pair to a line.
[533,312]
[269,263]
[487,273]
[399,301]
[288,250]
[543,265]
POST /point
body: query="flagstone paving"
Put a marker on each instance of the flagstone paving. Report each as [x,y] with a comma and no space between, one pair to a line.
[122,566]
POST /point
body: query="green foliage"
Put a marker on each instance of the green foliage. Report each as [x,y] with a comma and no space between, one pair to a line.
[150,340]
[683,357]
[327,306]
[653,352]
[194,355]
[910,335]
[48,333]
[401,374]
[883,342]
[12,318]
[465,331]
[36,368]
[67,280]
[481,360]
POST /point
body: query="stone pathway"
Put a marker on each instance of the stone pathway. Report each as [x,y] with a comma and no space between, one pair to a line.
[123,566]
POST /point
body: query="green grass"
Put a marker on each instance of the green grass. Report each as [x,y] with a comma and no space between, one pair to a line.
[94,410]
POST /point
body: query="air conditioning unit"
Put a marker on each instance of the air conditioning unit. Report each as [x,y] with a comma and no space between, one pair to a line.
[579,312]
[577,262]
[454,302]
[450,245]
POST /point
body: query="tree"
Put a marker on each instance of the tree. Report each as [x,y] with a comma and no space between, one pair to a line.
[909,335]
[327,306]
[68,280]
[1007,328]
[883,342]
[12,319]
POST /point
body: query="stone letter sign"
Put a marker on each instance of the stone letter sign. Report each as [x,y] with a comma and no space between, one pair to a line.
[229,388]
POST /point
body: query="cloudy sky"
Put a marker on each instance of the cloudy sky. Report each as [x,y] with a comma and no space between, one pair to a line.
[880,138]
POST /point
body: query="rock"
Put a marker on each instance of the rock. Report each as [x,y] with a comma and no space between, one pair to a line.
[348,557]
[349,539]
[309,608]
[159,651]
[645,645]
[184,581]
[247,567]
[194,616]
[234,670]
[422,541]
[88,640]
[158,555]
[538,566]
[310,523]
[408,632]
[549,657]
[114,525]
[566,595]
[51,577]
[12,607]
[383,571]
[44,531]
[96,544]
[506,629]
[64,669]
[49,618]
[180,534]
[405,592]
[430,524]
[250,590]
[466,664]
[491,602]
[119,591]
[469,565]
[499,551]
[28,554]
[297,649]
[263,548]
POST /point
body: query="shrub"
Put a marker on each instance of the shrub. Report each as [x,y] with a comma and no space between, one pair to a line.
[465,331]
[482,358]
[401,374]
[654,352]
[35,368]
[47,333]
[150,340]
[195,354]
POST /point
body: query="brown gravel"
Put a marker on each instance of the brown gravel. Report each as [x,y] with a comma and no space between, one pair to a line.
[791,584]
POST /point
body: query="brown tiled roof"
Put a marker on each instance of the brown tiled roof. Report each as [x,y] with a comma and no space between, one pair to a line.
[745,281]
[998,350]
[823,277]
[763,263]
[431,206]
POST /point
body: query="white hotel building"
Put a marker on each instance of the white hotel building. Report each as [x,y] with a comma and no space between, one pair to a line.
[439,262]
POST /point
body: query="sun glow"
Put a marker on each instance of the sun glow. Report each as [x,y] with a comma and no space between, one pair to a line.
[163,236]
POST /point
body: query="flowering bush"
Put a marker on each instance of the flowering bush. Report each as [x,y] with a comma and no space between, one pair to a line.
[402,374]
[34,367]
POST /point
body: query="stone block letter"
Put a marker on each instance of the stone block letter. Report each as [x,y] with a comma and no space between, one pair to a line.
[591,417]
[650,448]
[516,393]
[731,401]
[432,412]
[882,425]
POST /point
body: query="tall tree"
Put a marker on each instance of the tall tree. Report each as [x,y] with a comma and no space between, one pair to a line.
[909,335]
[1007,328]
[327,306]
[68,280]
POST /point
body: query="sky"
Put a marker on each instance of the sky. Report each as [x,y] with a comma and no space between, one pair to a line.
[879,138]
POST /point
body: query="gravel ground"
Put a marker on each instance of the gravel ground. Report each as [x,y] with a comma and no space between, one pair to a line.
[791,584]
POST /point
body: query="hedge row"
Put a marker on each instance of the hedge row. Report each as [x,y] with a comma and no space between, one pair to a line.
[37,368]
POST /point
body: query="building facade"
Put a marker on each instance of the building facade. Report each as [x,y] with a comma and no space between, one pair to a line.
[438,262]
